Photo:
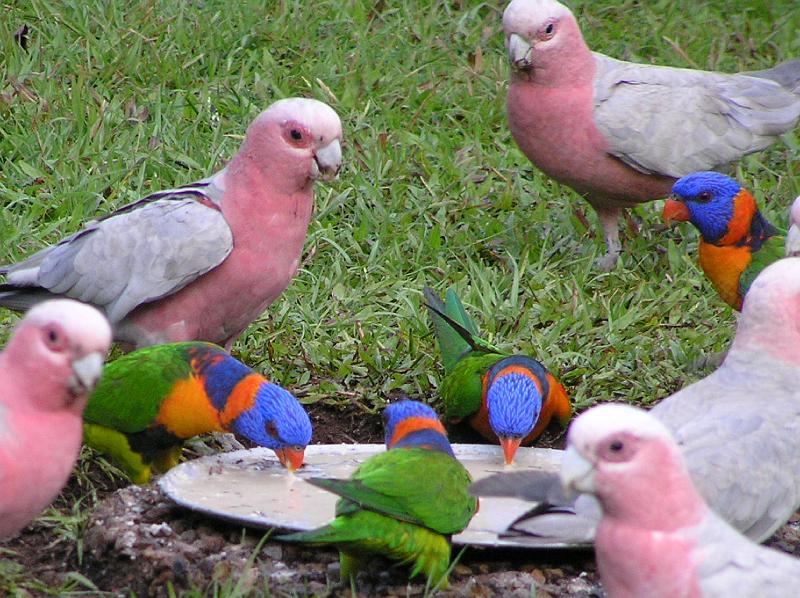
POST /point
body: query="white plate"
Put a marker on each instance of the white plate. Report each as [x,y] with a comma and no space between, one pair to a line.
[253,489]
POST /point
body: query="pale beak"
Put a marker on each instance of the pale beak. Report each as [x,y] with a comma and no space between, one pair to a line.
[793,241]
[291,457]
[519,52]
[577,473]
[85,373]
[327,161]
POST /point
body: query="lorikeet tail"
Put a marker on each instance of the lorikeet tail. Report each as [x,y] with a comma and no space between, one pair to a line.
[455,331]
[365,532]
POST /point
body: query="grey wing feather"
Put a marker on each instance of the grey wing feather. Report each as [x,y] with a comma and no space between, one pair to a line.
[131,257]
[674,121]
[730,565]
[741,451]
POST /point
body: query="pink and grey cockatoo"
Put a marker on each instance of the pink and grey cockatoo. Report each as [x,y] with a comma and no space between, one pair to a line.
[793,235]
[47,369]
[202,261]
[657,538]
[621,133]
[738,428]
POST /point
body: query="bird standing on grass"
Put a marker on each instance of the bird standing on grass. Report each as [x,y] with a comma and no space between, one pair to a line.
[403,504]
[738,428]
[657,537]
[508,399]
[149,401]
[47,369]
[620,133]
[203,261]
[737,242]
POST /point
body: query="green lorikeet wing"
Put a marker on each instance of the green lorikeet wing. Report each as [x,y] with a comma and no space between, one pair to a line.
[770,251]
[462,389]
[388,483]
[130,403]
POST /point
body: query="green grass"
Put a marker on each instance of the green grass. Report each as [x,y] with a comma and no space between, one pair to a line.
[114,99]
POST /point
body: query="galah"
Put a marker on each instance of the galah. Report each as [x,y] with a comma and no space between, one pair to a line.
[737,241]
[151,400]
[403,504]
[738,428]
[620,133]
[47,369]
[509,399]
[202,261]
[657,538]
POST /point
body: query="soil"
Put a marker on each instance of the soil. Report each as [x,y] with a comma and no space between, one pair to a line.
[137,541]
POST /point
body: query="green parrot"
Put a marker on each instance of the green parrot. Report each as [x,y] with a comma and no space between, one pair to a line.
[403,504]
[149,401]
[508,399]
[736,241]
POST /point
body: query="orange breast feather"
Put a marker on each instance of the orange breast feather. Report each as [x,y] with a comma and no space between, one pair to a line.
[724,267]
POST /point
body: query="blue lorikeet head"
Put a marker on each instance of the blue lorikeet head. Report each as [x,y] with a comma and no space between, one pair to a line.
[409,424]
[516,389]
[276,420]
[709,201]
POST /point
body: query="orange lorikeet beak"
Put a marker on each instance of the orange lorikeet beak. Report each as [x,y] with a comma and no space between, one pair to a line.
[291,457]
[510,446]
[675,211]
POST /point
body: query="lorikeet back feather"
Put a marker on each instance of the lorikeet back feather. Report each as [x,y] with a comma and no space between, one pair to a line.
[402,504]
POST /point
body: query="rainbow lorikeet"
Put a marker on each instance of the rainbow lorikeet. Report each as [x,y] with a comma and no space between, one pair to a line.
[403,504]
[149,401]
[507,398]
[736,242]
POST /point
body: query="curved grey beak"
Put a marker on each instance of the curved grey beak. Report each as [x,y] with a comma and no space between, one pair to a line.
[327,161]
[577,473]
[519,52]
[85,373]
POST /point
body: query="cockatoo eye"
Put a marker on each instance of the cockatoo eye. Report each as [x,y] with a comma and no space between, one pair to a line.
[296,134]
[547,31]
[54,337]
[618,448]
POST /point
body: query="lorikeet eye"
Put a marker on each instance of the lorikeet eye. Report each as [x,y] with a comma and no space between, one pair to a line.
[704,196]
[272,429]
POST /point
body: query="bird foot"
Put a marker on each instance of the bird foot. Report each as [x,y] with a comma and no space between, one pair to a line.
[608,262]
[709,361]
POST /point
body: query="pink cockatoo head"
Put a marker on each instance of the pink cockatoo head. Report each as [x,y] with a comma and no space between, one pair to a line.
[544,41]
[59,346]
[302,138]
[631,463]
[770,319]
